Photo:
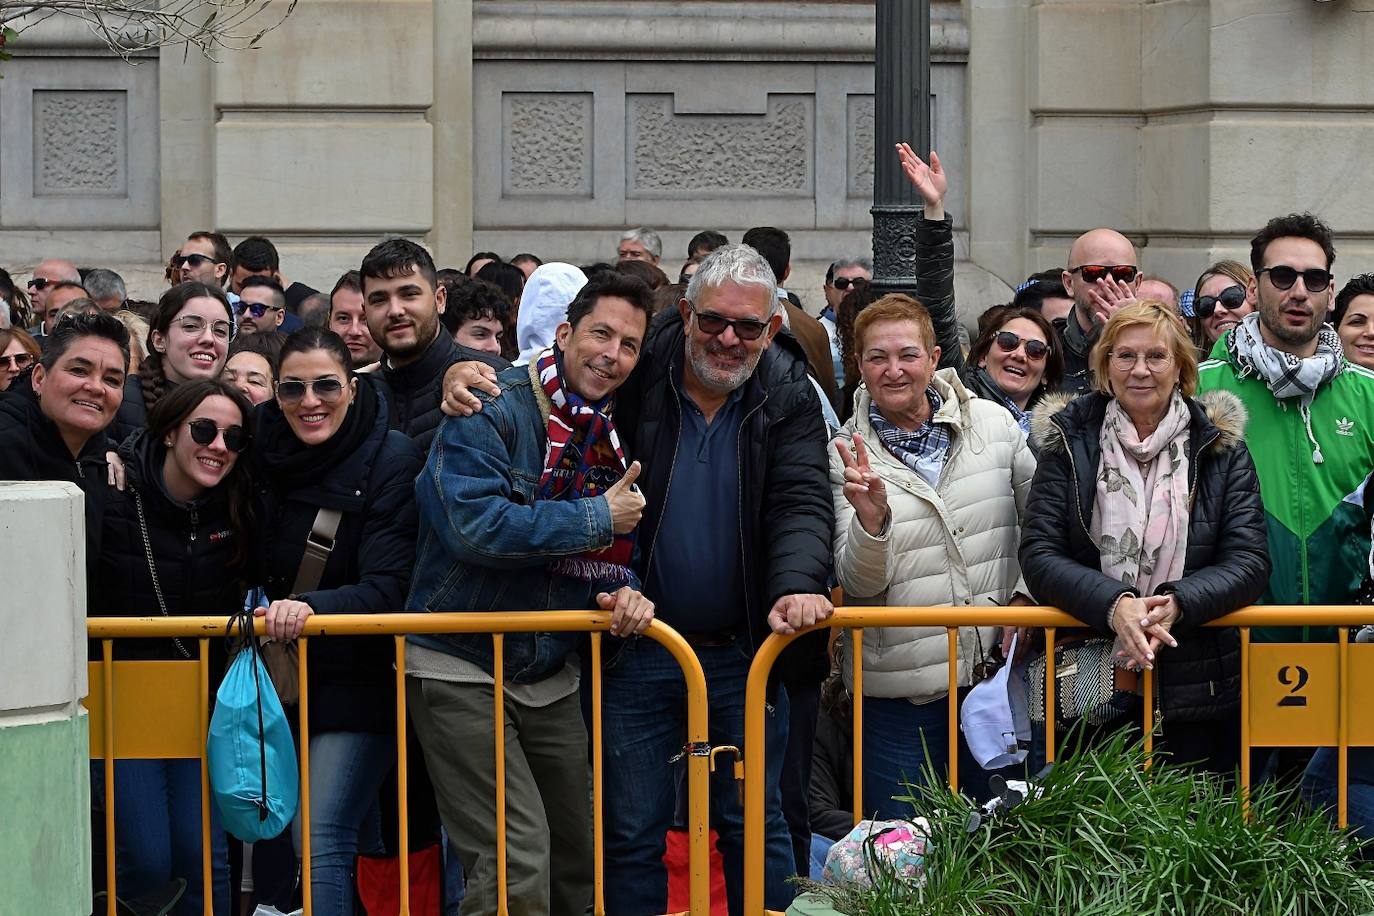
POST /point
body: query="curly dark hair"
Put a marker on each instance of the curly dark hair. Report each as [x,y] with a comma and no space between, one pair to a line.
[855,301]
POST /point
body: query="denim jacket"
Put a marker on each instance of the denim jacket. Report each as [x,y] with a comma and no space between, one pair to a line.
[486,542]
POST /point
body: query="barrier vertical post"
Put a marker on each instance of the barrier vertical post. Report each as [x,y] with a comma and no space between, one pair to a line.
[107,714]
[206,881]
[402,777]
[1050,718]
[1245,719]
[857,723]
[598,837]
[303,676]
[1149,717]
[1342,750]
[498,691]
[952,635]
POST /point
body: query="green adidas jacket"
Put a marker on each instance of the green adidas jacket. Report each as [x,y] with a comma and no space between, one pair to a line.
[1318,526]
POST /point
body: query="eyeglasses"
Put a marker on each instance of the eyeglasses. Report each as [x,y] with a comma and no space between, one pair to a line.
[1123,273]
[40,283]
[1231,298]
[195,260]
[328,389]
[195,325]
[204,431]
[1007,342]
[20,361]
[715,325]
[844,283]
[256,309]
[1156,361]
[1283,277]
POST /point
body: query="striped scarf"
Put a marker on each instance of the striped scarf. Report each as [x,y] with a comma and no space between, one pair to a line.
[586,470]
[923,450]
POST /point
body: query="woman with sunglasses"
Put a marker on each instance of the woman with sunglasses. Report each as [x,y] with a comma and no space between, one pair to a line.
[1353,318]
[1015,361]
[1220,301]
[324,444]
[18,351]
[188,340]
[176,542]
[1144,523]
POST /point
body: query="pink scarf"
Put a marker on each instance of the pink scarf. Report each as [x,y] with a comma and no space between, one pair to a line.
[1140,515]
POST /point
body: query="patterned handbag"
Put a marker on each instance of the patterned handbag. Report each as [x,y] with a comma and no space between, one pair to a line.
[1088,686]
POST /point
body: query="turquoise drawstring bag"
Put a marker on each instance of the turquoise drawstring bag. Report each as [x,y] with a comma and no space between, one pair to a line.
[254,779]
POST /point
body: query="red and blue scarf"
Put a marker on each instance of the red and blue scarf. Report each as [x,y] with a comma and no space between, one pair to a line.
[591,466]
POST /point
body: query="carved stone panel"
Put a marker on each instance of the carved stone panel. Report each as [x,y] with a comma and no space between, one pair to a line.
[720,155]
[547,144]
[80,143]
[859,118]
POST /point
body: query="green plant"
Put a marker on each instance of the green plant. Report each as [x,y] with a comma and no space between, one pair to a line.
[1109,838]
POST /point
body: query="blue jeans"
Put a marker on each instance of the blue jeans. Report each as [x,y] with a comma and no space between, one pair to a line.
[158,831]
[644,721]
[346,773]
[1320,786]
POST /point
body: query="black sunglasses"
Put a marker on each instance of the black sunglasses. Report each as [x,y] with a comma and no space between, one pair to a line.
[39,283]
[1007,342]
[1231,298]
[195,260]
[1123,273]
[843,283]
[204,431]
[1283,277]
[256,309]
[327,389]
[20,360]
[745,328]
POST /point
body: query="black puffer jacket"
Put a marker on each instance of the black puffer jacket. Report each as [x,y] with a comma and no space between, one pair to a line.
[368,472]
[193,544]
[1227,562]
[786,514]
[31,448]
[133,410]
[1078,378]
[414,392]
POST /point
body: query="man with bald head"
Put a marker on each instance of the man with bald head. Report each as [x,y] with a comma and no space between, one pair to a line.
[1102,275]
[47,275]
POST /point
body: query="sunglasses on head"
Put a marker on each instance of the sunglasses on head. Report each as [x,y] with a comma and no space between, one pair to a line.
[195,260]
[714,325]
[844,283]
[40,283]
[1007,342]
[19,361]
[327,389]
[204,431]
[1314,279]
[256,309]
[1123,273]
[1231,298]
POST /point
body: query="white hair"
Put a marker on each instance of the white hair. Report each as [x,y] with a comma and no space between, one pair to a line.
[646,237]
[739,265]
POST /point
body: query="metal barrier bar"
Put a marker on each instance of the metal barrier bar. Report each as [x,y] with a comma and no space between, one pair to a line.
[952,636]
[402,778]
[206,870]
[1051,684]
[303,711]
[498,647]
[857,726]
[1343,727]
[1245,719]
[598,836]
[1148,716]
[107,677]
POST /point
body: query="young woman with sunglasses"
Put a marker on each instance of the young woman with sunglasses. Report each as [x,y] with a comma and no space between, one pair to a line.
[18,351]
[324,443]
[1220,301]
[175,543]
[188,340]
[1015,361]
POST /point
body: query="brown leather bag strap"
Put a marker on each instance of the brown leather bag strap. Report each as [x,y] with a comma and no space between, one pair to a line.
[318,545]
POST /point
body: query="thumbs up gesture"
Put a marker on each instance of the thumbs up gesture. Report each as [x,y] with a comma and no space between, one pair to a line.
[625,500]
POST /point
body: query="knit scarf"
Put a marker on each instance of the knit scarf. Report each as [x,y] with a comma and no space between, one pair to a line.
[582,460]
[925,449]
[1287,376]
[1140,520]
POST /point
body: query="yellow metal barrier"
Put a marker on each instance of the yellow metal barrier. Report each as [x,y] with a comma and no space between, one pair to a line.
[1292,695]
[172,726]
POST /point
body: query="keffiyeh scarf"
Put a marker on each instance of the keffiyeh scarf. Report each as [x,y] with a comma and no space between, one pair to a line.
[925,450]
[1287,376]
[582,459]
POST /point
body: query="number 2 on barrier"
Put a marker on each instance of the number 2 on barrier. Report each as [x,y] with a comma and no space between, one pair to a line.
[1294,695]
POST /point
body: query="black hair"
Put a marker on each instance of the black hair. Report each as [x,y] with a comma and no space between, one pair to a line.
[510,278]
[1363,285]
[994,319]
[68,284]
[1294,225]
[653,277]
[600,267]
[173,410]
[480,256]
[1048,284]
[266,344]
[278,294]
[474,301]
[706,242]
[526,258]
[309,339]
[610,283]
[774,245]
[350,280]
[223,253]
[72,328]
[173,301]
[6,284]
[256,253]
[396,258]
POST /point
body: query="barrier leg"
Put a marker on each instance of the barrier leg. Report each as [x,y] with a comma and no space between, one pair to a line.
[598,836]
[857,726]
[107,677]
[206,877]
[1050,717]
[499,691]
[952,635]
[402,777]
[303,675]
[1245,719]
[1343,748]
[1149,717]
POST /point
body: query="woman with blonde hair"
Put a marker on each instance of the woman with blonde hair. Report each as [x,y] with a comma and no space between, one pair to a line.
[1221,299]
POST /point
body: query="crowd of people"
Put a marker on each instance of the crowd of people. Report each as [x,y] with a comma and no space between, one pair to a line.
[701,451]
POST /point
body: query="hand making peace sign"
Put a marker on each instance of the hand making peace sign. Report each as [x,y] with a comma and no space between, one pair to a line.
[863,487]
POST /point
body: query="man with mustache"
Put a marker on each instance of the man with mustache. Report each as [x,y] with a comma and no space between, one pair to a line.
[1311,433]
[402,300]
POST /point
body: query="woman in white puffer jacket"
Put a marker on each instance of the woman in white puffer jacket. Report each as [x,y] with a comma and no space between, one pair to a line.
[929,484]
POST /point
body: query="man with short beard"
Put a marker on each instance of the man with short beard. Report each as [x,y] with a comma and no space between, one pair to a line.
[1311,433]
[402,300]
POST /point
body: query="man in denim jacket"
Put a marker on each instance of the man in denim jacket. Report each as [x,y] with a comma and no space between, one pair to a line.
[528,505]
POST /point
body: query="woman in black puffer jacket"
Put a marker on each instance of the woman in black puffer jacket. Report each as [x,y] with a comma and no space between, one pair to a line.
[324,444]
[1151,577]
[174,541]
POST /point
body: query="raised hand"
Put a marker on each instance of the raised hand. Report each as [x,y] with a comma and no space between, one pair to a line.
[1109,295]
[626,502]
[930,181]
[863,487]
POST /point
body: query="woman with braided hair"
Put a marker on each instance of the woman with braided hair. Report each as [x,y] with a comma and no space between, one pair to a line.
[188,341]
